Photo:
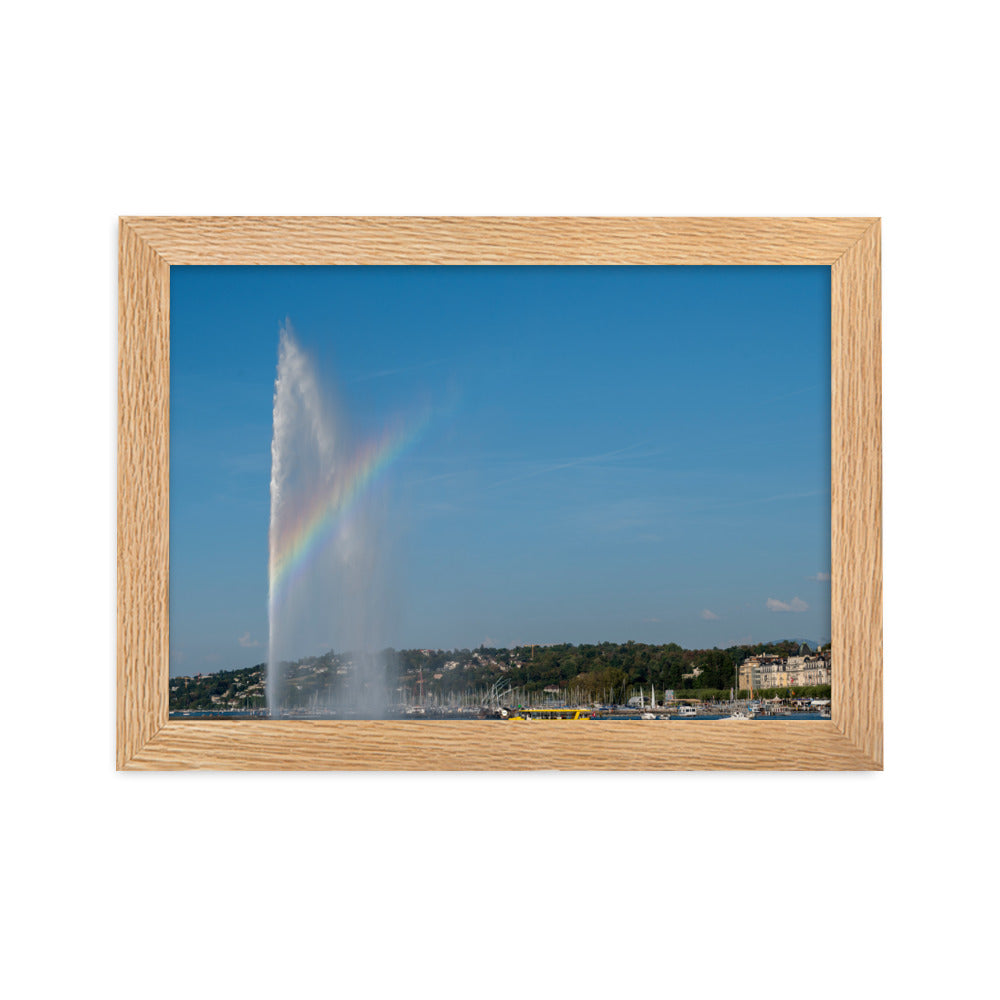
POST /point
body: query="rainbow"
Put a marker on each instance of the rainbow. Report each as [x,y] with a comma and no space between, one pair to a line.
[315,526]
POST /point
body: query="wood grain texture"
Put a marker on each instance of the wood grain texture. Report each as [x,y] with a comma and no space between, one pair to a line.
[148,741]
[513,746]
[498,240]
[856,500]
[143,492]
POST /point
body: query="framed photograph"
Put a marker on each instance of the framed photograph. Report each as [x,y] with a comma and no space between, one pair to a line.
[499,493]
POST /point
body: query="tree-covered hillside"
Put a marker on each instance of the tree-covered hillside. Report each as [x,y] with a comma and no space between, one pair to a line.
[605,672]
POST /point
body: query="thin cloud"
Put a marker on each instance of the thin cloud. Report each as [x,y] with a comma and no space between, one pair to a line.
[385,372]
[771,499]
[709,616]
[821,577]
[569,464]
[246,642]
[796,604]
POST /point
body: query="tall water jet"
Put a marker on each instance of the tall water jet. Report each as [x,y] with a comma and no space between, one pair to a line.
[326,557]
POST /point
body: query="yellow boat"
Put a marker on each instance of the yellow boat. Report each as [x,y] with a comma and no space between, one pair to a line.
[525,714]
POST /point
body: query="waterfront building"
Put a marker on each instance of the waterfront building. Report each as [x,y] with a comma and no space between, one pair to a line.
[762,672]
[808,671]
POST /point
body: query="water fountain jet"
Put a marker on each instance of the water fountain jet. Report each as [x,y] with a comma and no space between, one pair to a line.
[326,543]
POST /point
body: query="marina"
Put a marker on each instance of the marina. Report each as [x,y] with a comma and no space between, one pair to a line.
[749,712]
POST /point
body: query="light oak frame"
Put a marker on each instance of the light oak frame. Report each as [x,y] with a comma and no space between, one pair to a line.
[148,740]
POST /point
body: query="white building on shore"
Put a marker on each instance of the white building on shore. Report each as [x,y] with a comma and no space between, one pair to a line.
[761,672]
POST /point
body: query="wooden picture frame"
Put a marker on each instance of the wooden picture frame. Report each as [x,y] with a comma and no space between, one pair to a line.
[147,739]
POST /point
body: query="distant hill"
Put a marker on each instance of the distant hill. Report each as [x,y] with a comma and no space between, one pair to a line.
[601,671]
[813,644]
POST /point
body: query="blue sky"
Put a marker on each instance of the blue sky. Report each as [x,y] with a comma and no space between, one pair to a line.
[614,453]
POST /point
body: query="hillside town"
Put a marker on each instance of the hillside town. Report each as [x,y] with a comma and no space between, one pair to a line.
[624,674]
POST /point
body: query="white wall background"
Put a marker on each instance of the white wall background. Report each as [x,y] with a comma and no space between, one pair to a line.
[256,885]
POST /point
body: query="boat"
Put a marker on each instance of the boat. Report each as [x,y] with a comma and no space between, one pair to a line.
[523,714]
[651,714]
[687,712]
[741,714]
